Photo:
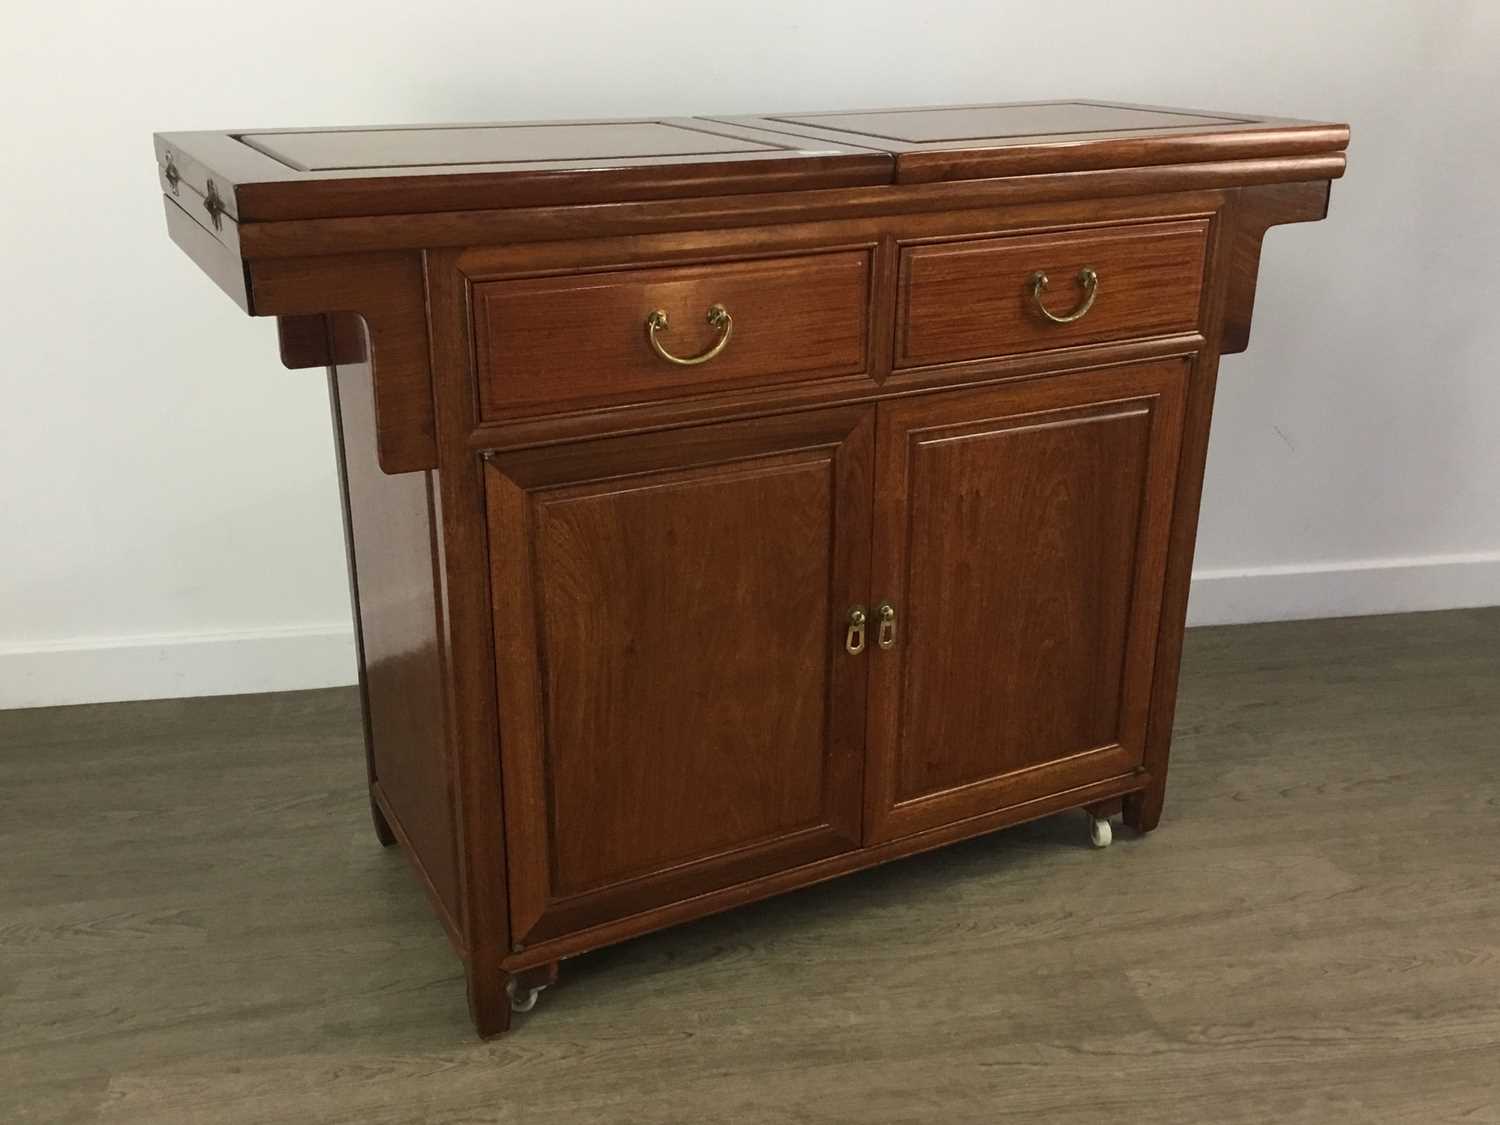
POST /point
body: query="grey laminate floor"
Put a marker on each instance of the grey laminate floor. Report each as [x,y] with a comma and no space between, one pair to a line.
[196,925]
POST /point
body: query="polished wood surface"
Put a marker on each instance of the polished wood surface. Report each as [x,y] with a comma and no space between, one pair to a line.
[340,150]
[1016,123]
[389,293]
[1310,939]
[542,223]
[581,340]
[613,683]
[973,300]
[279,174]
[974,141]
[390,529]
[634,777]
[1020,535]
[1257,210]
[222,265]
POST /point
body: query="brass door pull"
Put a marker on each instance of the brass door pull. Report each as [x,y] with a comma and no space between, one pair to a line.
[886,636]
[718,317]
[854,635]
[1087,277]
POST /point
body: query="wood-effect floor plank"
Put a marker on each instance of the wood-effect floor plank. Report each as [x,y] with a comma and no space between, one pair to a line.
[196,925]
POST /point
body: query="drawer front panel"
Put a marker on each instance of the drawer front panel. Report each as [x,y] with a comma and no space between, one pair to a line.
[556,343]
[974,300]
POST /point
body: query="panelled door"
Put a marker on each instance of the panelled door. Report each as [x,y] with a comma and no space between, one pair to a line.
[678,709]
[1019,552]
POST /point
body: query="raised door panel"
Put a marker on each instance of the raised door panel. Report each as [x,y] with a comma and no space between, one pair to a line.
[678,713]
[1021,537]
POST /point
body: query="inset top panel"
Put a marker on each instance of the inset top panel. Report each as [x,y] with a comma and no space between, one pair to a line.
[1031,138]
[987,123]
[269,175]
[276,174]
[454,146]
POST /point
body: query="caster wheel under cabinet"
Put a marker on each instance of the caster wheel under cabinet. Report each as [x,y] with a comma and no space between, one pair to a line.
[1100,833]
[732,503]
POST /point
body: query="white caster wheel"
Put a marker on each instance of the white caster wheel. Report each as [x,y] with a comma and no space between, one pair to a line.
[1100,833]
[522,999]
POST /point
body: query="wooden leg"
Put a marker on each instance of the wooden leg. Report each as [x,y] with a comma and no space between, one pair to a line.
[493,996]
[1143,809]
[383,831]
[489,1002]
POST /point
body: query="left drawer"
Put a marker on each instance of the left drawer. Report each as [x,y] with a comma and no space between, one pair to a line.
[549,344]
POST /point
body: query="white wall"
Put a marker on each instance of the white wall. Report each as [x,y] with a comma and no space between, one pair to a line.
[170,509]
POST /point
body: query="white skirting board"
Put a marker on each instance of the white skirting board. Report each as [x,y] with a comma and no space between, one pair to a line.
[105,670]
[1344,589]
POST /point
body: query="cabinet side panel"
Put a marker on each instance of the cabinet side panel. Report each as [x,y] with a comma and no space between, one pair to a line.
[391,544]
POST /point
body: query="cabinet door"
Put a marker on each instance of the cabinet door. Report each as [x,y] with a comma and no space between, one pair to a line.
[1021,538]
[677,709]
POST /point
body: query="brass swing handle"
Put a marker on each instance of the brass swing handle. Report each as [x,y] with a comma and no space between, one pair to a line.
[858,621]
[718,316]
[1087,277]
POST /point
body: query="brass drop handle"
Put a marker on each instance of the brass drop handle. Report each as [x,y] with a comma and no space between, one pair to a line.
[854,635]
[718,317]
[1087,277]
[886,636]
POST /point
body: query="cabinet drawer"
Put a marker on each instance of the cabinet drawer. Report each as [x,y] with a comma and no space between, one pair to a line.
[554,343]
[977,299]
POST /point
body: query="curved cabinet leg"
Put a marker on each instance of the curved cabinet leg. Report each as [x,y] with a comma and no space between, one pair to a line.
[489,999]
[495,994]
[383,831]
[1143,809]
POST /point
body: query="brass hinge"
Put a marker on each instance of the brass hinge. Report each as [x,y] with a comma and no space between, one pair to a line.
[214,205]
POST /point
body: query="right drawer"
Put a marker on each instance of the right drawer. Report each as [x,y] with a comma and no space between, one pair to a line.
[984,298]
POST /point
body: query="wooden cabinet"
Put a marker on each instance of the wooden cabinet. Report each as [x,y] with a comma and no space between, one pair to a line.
[737,503]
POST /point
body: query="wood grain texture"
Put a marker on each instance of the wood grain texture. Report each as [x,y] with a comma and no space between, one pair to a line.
[223,267]
[468,656]
[392,565]
[635,777]
[278,174]
[1254,211]
[315,340]
[482,265]
[605,627]
[1031,138]
[546,220]
[973,299]
[1310,939]
[1021,535]
[388,291]
[553,343]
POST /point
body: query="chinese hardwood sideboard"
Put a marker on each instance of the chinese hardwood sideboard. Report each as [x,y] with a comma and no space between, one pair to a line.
[733,503]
